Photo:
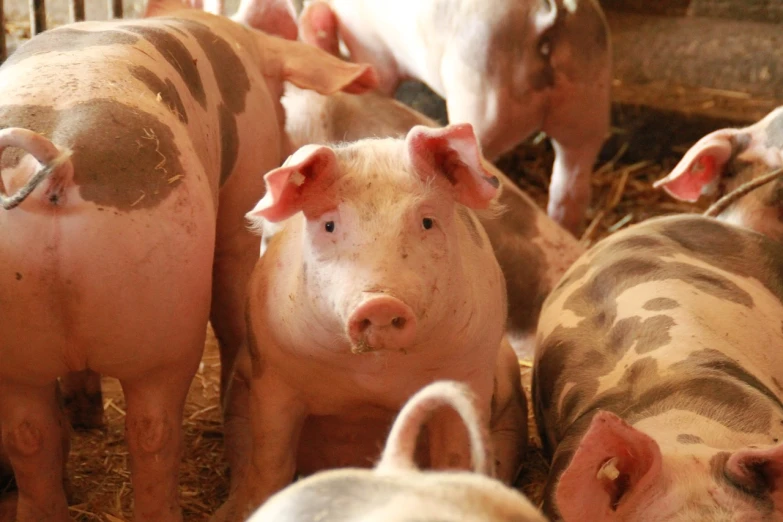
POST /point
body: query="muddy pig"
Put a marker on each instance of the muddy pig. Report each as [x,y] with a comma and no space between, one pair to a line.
[658,376]
[533,251]
[722,161]
[131,157]
[509,67]
[396,490]
[380,282]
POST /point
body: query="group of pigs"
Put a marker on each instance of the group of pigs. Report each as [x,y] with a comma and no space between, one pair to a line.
[148,162]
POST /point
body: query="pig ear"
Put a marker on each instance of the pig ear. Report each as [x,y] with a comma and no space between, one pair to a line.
[453,152]
[613,460]
[759,471]
[299,185]
[311,68]
[277,17]
[702,166]
[318,25]
[164,7]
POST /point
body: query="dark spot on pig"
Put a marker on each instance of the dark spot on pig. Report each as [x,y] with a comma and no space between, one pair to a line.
[470,224]
[229,143]
[67,39]
[706,236]
[638,243]
[653,333]
[774,132]
[740,142]
[18,276]
[177,55]
[660,303]
[120,153]
[684,438]
[167,91]
[492,180]
[176,29]
[730,367]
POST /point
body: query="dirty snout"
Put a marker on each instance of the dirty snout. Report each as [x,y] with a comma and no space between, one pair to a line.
[381,322]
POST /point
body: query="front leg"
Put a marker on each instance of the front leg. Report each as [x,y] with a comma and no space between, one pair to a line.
[277,416]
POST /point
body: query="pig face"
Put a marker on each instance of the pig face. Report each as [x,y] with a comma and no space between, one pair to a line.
[379,218]
[724,160]
[620,473]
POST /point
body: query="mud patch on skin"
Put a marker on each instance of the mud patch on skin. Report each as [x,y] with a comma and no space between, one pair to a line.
[166,90]
[685,438]
[234,85]
[122,157]
[177,55]
[68,40]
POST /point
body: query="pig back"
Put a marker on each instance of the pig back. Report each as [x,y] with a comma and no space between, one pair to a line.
[661,315]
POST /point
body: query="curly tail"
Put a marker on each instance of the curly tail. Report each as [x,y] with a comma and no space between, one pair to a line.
[50,157]
[401,444]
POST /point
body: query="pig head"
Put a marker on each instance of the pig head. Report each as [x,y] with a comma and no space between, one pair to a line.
[727,159]
[396,490]
[657,377]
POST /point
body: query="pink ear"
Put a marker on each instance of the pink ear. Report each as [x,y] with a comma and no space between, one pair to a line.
[163,7]
[700,168]
[299,185]
[276,17]
[453,152]
[759,470]
[319,27]
[613,460]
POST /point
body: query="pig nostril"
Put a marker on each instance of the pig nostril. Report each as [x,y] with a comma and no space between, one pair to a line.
[364,324]
[398,322]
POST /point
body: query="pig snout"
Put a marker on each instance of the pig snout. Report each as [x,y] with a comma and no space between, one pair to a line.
[381,322]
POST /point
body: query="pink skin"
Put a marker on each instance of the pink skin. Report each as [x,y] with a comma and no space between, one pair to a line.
[507,70]
[127,293]
[378,220]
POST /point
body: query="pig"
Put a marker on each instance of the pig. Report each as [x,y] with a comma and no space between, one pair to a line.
[380,282]
[658,377]
[131,157]
[396,490]
[724,160]
[509,67]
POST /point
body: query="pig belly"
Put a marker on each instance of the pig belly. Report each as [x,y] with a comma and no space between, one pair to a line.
[116,291]
[339,441]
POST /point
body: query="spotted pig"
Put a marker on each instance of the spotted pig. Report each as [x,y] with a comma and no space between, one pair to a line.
[508,67]
[724,160]
[132,153]
[396,490]
[658,377]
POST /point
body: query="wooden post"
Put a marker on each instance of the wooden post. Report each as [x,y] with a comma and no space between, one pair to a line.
[37,17]
[77,10]
[115,8]
[2,33]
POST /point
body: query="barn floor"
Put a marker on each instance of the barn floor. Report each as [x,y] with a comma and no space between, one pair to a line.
[655,122]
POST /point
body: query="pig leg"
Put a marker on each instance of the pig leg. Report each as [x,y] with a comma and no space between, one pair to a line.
[508,426]
[83,399]
[153,430]
[35,437]
[570,188]
[237,431]
[8,507]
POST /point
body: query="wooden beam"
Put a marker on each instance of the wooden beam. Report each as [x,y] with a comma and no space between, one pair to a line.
[2,34]
[77,10]
[37,17]
[115,8]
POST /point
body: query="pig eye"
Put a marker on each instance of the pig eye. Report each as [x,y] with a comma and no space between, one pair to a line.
[427,223]
[329,226]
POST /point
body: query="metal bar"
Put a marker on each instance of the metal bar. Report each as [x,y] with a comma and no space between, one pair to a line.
[37,17]
[115,8]
[77,10]
[2,34]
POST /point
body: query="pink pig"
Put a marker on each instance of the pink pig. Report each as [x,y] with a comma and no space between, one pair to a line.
[508,67]
[131,157]
[379,281]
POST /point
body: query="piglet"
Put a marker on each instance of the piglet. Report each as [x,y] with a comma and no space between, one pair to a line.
[509,67]
[726,159]
[658,378]
[380,281]
[396,490]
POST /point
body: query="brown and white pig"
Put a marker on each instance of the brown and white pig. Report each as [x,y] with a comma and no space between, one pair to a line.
[396,490]
[133,150]
[508,67]
[380,282]
[658,377]
[723,160]
[533,251]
